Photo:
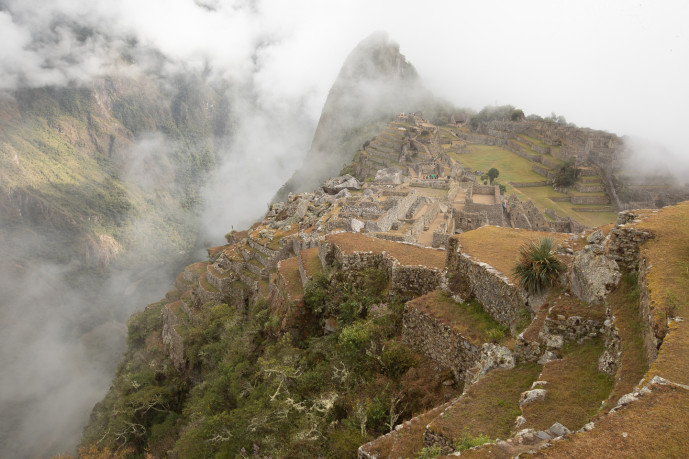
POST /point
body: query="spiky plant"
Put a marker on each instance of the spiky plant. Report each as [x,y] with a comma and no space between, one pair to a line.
[538,268]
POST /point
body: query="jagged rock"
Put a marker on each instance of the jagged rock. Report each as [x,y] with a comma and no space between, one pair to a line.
[547,357]
[356,225]
[593,274]
[554,341]
[538,383]
[531,396]
[559,430]
[336,184]
[626,399]
[521,420]
[343,194]
[390,175]
[596,237]
[543,435]
[607,363]
[492,356]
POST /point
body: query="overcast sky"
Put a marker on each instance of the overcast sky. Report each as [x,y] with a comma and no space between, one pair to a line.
[621,66]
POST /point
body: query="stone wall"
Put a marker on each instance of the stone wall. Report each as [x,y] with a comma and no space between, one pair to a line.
[415,280]
[439,342]
[502,299]
[577,199]
[405,280]
[625,240]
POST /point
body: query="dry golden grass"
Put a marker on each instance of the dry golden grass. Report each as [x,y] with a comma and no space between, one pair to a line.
[289,271]
[311,262]
[490,406]
[575,388]
[654,426]
[624,302]
[197,268]
[534,329]
[668,284]
[569,305]
[470,320]
[499,247]
[213,251]
[407,255]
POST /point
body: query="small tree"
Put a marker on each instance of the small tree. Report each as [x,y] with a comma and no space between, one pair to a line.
[538,267]
[493,173]
[566,175]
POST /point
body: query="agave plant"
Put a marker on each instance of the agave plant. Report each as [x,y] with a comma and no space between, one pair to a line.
[538,268]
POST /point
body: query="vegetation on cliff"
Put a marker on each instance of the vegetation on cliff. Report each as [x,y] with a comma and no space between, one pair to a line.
[248,389]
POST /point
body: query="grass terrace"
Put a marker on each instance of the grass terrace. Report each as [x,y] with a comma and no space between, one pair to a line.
[490,406]
[633,364]
[311,262]
[289,270]
[469,319]
[514,168]
[406,254]
[569,305]
[575,388]
[499,247]
[668,284]
[654,426]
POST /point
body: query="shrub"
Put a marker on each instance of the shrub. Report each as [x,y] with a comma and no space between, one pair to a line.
[468,441]
[495,335]
[538,267]
[566,175]
[429,452]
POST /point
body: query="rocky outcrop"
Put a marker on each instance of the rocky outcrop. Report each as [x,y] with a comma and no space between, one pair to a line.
[593,274]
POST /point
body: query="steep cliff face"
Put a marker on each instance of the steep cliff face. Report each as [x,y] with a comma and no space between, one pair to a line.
[85,164]
[375,82]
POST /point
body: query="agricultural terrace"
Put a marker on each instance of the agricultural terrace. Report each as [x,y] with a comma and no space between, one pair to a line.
[514,168]
[469,319]
[406,254]
[499,247]
[668,284]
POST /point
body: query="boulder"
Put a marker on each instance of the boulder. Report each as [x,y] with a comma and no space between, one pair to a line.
[531,396]
[593,274]
[390,175]
[336,184]
[559,430]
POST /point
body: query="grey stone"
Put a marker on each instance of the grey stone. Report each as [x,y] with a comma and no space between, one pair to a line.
[336,184]
[559,430]
[547,357]
[390,175]
[531,396]
[596,237]
[593,276]
[554,341]
[356,225]
[543,435]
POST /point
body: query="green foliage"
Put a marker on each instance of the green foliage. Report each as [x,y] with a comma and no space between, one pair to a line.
[566,175]
[429,452]
[495,335]
[468,441]
[492,174]
[499,113]
[538,267]
[517,115]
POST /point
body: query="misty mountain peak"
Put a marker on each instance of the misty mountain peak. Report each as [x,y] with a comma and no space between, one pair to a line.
[375,83]
[377,57]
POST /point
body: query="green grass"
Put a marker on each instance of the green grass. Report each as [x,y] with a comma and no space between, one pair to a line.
[512,168]
[540,197]
[469,319]
[575,388]
[489,407]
